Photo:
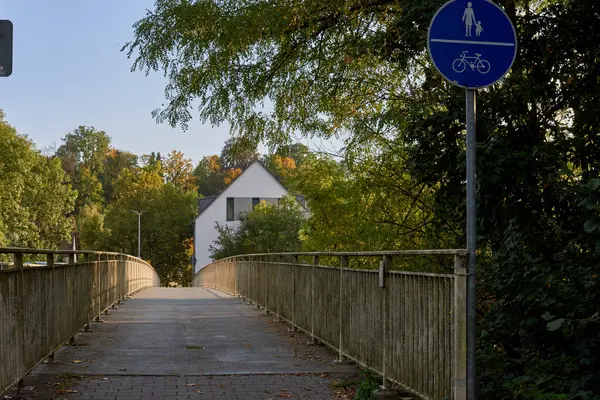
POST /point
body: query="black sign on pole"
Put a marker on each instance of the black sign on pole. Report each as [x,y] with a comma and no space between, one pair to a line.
[6,47]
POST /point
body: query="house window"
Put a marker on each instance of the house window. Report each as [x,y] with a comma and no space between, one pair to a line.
[230,210]
[255,202]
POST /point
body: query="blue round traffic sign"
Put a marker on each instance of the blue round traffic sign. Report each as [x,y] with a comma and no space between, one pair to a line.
[472,42]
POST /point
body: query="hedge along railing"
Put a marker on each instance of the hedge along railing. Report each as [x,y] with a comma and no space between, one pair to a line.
[410,327]
[43,306]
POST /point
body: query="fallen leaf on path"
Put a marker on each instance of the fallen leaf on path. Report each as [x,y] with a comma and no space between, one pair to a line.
[191,384]
[77,361]
[284,394]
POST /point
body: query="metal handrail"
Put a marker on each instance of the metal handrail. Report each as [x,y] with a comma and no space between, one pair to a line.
[24,250]
[433,252]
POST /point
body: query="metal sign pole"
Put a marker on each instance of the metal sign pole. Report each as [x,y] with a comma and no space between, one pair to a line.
[473,44]
[471,241]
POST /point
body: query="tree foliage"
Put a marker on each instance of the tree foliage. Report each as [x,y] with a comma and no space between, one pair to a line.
[357,207]
[267,228]
[238,153]
[210,176]
[166,223]
[35,198]
[83,154]
[178,171]
[115,162]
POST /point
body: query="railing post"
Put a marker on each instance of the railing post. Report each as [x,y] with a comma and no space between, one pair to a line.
[460,329]
[343,265]
[383,268]
[99,290]
[312,301]
[258,283]
[18,264]
[51,303]
[294,262]
[117,282]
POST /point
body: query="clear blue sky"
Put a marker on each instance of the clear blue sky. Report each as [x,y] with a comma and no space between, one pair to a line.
[68,71]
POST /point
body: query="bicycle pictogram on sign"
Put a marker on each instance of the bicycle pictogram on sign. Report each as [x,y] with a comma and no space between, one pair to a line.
[476,63]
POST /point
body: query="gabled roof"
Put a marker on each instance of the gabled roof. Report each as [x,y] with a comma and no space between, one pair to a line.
[210,199]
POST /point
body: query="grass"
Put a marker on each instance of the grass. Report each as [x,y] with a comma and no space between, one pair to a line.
[361,388]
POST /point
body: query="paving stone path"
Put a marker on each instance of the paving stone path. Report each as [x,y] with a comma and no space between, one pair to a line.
[187,343]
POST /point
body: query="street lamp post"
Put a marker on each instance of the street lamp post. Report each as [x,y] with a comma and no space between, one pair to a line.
[139,214]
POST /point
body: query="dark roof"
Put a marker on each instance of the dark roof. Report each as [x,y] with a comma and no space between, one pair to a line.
[205,202]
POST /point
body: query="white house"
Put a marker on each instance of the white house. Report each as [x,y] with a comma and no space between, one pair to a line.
[252,186]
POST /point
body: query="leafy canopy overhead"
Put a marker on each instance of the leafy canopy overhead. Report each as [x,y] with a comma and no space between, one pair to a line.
[317,62]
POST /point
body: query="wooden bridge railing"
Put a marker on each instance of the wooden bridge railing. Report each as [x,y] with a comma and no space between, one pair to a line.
[408,326]
[45,303]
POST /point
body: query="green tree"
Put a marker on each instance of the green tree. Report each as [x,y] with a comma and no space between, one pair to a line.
[209,175]
[83,154]
[371,204]
[265,229]
[282,167]
[319,64]
[238,152]
[115,162]
[151,160]
[178,171]
[35,198]
[166,222]
[296,151]
[91,228]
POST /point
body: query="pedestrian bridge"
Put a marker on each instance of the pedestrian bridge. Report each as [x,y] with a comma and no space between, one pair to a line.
[131,339]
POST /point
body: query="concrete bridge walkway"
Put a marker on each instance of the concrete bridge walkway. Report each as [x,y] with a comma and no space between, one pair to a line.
[186,343]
